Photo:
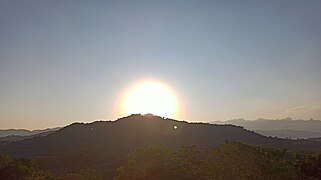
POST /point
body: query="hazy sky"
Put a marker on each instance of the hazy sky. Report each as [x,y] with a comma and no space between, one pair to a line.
[63,61]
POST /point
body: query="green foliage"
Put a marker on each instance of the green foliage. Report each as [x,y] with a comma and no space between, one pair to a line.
[104,145]
[186,163]
[17,169]
[150,163]
[231,160]
[309,165]
[236,160]
[5,160]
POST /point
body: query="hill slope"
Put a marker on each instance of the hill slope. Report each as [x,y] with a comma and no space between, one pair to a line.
[24,132]
[11,138]
[280,128]
[105,143]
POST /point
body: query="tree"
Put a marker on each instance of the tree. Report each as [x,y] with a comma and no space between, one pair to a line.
[309,165]
[16,169]
[231,160]
[150,163]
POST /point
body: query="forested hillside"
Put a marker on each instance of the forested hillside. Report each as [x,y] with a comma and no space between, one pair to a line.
[105,145]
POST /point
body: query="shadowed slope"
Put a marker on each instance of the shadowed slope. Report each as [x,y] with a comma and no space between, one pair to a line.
[135,131]
[106,144]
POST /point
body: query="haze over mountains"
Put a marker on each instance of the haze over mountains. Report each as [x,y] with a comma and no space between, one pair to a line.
[110,141]
[24,132]
[8,135]
[283,128]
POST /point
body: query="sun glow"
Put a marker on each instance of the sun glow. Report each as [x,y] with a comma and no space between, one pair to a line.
[150,97]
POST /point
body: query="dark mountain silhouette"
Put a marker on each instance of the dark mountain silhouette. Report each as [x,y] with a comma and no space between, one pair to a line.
[107,143]
[24,132]
[282,128]
[11,138]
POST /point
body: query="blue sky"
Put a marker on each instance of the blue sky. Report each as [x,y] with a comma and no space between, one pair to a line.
[65,61]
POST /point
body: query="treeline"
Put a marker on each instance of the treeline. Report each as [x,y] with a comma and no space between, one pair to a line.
[16,169]
[230,160]
[25,169]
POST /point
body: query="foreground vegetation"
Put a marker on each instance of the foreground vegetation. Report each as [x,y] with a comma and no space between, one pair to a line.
[231,160]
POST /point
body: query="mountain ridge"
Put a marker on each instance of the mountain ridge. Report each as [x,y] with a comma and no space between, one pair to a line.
[146,128]
[24,132]
[107,143]
[282,128]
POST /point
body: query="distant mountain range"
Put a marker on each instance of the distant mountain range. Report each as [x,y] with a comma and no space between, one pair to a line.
[107,143]
[283,128]
[10,135]
[24,132]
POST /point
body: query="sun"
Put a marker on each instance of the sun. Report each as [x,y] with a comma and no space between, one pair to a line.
[150,97]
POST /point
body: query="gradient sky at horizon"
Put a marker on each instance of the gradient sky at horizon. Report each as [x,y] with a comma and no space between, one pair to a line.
[66,61]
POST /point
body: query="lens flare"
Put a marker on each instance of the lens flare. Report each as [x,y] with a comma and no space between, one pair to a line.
[150,97]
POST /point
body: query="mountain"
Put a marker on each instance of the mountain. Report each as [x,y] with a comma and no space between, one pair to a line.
[24,132]
[283,128]
[107,143]
[11,138]
[288,133]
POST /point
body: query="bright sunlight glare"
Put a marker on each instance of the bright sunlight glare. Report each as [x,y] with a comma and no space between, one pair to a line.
[150,97]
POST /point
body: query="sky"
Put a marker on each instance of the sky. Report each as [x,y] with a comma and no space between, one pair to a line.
[64,61]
